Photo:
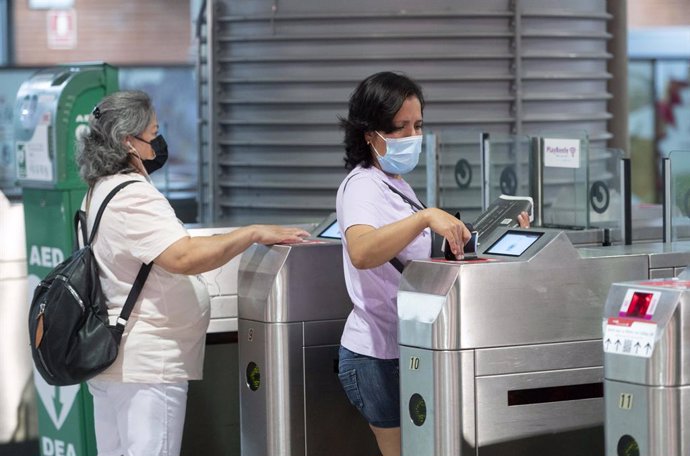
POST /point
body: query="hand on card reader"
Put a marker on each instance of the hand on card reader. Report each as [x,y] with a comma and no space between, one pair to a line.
[470,248]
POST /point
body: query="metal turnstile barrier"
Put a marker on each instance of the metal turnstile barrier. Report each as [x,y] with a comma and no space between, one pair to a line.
[292,309]
[646,366]
[502,356]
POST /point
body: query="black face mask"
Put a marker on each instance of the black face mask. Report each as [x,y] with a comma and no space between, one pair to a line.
[160,148]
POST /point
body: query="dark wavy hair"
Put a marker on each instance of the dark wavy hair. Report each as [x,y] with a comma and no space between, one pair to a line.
[100,150]
[372,107]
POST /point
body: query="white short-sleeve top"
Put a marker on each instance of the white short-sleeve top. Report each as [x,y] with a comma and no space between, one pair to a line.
[165,337]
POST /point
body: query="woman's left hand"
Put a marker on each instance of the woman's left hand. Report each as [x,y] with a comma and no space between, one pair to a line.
[523,219]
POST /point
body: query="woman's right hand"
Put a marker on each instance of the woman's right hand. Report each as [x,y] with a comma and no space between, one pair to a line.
[449,227]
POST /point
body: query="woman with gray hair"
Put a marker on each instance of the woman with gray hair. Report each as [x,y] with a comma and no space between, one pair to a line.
[140,400]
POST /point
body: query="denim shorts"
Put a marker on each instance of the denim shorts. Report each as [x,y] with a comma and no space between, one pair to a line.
[373,386]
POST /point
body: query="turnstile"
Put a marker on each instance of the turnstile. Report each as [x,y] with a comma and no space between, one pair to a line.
[502,356]
[292,309]
[646,365]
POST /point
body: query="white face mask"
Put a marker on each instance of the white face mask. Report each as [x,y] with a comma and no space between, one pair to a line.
[402,154]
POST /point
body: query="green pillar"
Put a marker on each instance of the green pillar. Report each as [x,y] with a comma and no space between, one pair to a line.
[52,108]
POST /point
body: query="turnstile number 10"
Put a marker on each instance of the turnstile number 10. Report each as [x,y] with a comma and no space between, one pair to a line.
[414,362]
[625,401]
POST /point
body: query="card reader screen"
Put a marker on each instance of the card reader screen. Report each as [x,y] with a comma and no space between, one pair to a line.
[332,231]
[513,243]
[639,304]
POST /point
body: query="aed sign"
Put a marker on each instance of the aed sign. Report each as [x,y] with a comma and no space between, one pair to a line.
[50,447]
[62,29]
[45,256]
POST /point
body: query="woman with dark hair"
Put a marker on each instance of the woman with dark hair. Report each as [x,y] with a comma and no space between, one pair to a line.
[383,223]
[140,400]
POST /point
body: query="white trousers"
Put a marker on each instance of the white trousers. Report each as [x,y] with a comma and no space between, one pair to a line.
[138,419]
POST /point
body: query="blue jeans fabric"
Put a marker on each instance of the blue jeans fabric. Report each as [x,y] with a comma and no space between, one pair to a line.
[373,386]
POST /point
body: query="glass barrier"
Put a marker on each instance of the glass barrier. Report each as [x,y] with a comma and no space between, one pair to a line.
[459,172]
[565,193]
[680,195]
[605,189]
[508,162]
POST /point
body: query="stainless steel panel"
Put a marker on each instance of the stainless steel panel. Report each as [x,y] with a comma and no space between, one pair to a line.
[532,358]
[333,426]
[661,255]
[660,273]
[299,282]
[551,295]
[656,418]
[272,416]
[323,332]
[445,381]
[498,422]
[669,364]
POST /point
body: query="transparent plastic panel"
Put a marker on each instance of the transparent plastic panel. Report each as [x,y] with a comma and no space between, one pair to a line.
[605,184]
[460,177]
[508,166]
[566,195]
[680,194]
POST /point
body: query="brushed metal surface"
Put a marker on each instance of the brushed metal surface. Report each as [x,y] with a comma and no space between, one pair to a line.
[272,417]
[292,307]
[325,332]
[660,273]
[551,294]
[657,419]
[661,255]
[299,282]
[532,358]
[333,426]
[669,364]
[445,380]
[498,422]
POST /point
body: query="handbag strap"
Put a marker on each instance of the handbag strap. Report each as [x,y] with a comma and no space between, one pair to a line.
[416,207]
[395,262]
[132,297]
[143,271]
[101,209]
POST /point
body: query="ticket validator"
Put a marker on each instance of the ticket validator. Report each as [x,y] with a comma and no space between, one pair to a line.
[647,367]
[502,355]
[293,304]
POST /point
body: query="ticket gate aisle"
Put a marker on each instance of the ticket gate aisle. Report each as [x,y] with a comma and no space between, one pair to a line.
[665,259]
[646,367]
[292,309]
[502,356]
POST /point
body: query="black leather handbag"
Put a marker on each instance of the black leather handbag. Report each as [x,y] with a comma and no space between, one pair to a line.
[71,337]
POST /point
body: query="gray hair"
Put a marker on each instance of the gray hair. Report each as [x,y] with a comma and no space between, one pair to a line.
[101,150]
